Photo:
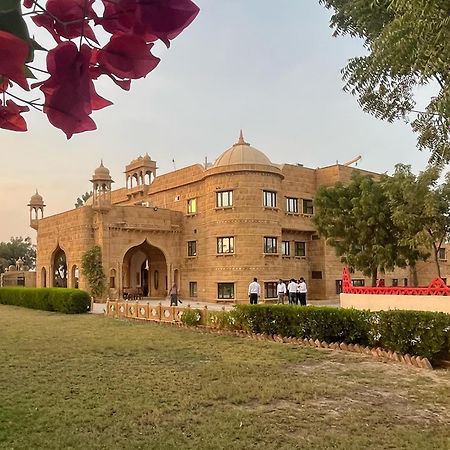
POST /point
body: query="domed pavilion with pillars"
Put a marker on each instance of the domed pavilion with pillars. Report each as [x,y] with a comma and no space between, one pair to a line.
[210,229]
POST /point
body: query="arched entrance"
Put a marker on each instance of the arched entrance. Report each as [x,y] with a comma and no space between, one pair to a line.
[59,265]
[143,267]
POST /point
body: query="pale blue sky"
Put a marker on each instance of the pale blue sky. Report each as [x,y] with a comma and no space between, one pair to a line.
[273,71]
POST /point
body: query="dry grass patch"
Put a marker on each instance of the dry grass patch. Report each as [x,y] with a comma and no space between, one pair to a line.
[89,382]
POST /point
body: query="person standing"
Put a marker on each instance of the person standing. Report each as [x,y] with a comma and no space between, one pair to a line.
[174,295]
[292,291]
[254,291]
[281,292]
[297,294]
[302,289]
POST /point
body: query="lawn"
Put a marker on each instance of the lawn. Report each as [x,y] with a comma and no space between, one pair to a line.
[91,382]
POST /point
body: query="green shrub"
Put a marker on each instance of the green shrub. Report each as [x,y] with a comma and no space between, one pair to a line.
[67,301]
[416,332]
[191,317]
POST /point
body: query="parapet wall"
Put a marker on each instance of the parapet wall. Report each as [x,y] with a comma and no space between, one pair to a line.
[381,302]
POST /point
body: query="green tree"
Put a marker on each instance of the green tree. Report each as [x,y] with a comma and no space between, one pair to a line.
[355,219]
[408,44]
[17,247]
[420,208]
[81,201]
[92,269]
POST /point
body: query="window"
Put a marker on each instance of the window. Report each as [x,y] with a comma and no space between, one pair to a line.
[358,283]
[405,281]
[442,253]
[192,289]
[225,244]
[308,207]
[270,245]
[270,289]
[225,290]
[224,199]
[316,274]
[285,248]
[338,286]
[444,280]
[270,199]
[291,205]
[394,281]
[315,237]
[192,206]
[300,249]
[192,248]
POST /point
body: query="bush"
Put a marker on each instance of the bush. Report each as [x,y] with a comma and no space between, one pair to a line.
[67,301]
[191,317]
[414,332]
[419,333]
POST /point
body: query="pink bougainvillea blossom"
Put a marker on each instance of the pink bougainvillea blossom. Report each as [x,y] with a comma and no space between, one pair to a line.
[70,95]
[151,19]
[10,118]
[127,56]
[13,54]
[67,18]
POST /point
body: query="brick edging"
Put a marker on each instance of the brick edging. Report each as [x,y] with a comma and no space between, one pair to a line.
[375,352]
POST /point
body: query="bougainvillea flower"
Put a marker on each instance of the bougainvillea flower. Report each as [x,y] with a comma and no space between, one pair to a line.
[13,54]
[127,56]
[98,71]
[28,3]
[10,118]
[151,19]
[70,95]
[67,18]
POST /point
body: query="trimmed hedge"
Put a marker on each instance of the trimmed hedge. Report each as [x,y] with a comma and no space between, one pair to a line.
[67,301]
[425,334]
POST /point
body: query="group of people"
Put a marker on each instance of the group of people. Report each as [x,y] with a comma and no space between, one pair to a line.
[295,291]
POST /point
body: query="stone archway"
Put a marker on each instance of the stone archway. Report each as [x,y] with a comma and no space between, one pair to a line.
[143,267]
[59,265]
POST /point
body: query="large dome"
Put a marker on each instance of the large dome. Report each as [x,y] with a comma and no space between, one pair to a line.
[242,153]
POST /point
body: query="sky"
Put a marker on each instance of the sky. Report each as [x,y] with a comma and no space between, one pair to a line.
[272,71]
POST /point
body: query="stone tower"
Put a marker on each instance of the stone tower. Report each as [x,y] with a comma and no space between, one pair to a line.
[36,206]
[101,188]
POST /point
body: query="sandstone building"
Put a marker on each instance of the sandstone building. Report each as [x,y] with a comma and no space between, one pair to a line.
[210,229]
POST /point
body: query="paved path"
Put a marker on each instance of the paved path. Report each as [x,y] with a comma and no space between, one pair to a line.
[100,308]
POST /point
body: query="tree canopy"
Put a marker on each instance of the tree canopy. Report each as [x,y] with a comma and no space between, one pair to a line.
[81,201]
[420,207]
[17,247]
[408,44]
[92,269]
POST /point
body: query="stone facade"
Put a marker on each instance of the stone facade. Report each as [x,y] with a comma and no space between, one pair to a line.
[209,229]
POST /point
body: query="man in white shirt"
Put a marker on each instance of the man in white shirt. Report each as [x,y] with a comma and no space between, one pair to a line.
[302,291]
[281,291]
[254,291]
[292,290]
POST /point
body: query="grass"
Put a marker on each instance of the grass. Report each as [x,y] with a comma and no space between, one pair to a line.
[90,382]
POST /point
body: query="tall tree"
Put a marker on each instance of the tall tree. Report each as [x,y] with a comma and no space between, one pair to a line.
[420,208]
[16,248]
[92,269]
[408,44]
[355,219]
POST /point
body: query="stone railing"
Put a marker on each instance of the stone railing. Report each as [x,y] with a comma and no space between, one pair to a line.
[146,311]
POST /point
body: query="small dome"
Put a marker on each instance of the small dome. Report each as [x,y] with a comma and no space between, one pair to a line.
[242,153]
[101,173]
[36,200]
